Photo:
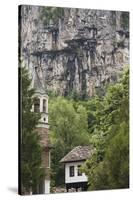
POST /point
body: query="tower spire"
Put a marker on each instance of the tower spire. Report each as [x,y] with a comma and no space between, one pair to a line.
[38,82]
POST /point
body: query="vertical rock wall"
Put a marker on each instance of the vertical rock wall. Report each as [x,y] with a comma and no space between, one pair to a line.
[83,51]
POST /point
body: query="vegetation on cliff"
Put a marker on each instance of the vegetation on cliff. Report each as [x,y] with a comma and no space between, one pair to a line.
[51,15]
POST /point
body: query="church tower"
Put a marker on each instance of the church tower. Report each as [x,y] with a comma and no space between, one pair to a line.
[41,106]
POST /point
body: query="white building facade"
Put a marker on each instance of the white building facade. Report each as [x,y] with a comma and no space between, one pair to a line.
[73,173]
[74,177]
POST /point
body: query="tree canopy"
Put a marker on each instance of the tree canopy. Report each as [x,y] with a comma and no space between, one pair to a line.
[69,128]
[103,122]
[109,166]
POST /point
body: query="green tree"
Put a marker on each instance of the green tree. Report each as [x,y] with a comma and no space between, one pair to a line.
[31,172]
[68,129]
[108,168]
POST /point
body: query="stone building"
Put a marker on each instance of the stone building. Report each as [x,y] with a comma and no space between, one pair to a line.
[74,178]
[41,106]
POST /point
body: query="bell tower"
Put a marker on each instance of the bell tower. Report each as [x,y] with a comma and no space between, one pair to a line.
[41,106]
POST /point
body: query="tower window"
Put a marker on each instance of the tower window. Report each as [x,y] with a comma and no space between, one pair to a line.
[37,105]
[71,171]
[44,105]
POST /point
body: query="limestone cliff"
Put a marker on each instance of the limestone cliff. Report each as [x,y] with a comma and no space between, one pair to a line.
[79,50]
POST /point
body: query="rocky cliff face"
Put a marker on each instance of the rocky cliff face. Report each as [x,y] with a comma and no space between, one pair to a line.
[80,51]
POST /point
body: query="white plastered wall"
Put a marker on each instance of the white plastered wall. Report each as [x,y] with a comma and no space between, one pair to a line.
[75,178]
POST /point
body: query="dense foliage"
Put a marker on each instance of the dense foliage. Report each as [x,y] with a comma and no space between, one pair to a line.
[30,160]
[109,166]
[102,121]
[68,124]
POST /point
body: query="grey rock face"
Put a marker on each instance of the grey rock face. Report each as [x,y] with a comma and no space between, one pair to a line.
[83,51]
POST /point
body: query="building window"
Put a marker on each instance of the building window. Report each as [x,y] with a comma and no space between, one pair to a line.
[71,171]
[79,171]
[44,105]
[37,105]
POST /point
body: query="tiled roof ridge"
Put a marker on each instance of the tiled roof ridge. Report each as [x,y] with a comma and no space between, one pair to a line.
[78,153]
